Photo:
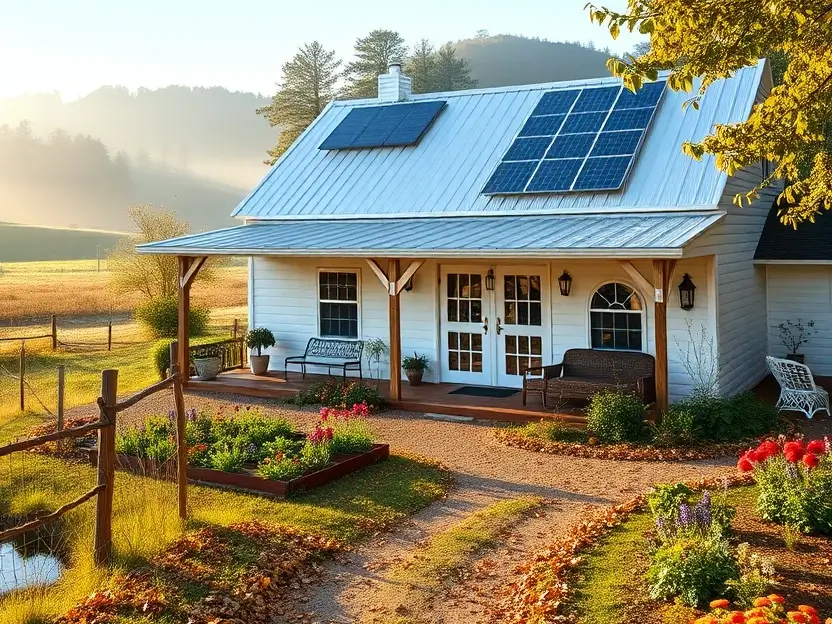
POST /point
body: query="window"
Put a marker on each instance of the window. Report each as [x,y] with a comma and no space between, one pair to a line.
[615,318]
[338,304]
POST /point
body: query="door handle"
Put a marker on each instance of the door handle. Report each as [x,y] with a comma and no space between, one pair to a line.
[499,327]
[485,326]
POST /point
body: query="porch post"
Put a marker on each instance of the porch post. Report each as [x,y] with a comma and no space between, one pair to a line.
[661,279]
[188,268]
[395,331]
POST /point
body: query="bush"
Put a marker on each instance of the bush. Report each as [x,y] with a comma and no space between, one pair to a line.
[616,417]
[724,419]
[694,569]
[161,357]
[259,338]
[154,440]
[336,393]
[161,316]
[280,468]
[228,457]
[676,428]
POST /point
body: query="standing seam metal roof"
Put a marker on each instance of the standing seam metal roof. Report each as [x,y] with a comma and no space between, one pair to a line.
[445,173]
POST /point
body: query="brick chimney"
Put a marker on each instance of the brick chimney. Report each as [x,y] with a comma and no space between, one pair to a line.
[394,86]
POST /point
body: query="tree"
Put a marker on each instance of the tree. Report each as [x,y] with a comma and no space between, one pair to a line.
[151,276]
[421,67]
[452,73]
[792,127]
[373,53]
[306,87]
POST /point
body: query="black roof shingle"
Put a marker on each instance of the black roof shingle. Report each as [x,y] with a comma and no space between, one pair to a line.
[810,241]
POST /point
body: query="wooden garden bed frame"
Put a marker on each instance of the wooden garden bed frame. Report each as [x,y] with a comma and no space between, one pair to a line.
[340,466]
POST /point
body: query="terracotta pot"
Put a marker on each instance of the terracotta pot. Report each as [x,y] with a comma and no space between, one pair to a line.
[414,378]
[259,364]
[796,357]
[207,368]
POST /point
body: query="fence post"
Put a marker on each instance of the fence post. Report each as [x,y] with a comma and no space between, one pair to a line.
[54,332]
[106,467]
[181,443]
[236,329]
[61,381]
[22,374]
[109,336]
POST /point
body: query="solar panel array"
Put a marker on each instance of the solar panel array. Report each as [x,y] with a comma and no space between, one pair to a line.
[577,140]
[383,126]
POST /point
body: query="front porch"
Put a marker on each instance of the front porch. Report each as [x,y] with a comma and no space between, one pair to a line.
[431,398]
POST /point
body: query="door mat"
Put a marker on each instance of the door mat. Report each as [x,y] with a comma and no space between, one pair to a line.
[485,391]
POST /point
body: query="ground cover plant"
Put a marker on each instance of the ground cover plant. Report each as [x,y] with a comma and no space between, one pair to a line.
[339,393]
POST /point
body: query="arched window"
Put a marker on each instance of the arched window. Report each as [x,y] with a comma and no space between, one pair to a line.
[616,318]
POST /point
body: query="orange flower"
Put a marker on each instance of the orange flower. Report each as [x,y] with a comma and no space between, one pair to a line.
[807,609]
[707,619]
[719,604]
[762,602]
[756,612]
[736,617]
[798,616]
[776,598]
[757,620]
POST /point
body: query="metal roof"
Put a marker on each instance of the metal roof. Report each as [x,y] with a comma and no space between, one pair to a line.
[445,173]
[626,236]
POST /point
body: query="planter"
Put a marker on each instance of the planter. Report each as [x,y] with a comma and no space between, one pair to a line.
[796,357]
[414,378]
[259,364]
[207,368]
[341,465]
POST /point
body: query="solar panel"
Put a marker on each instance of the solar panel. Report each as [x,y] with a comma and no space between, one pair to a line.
[383,126]
[577,140]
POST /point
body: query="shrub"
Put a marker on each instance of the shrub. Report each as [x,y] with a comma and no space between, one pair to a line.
[664,500]
[315,455]
[154,440]
[616,417]
[336,393]
[259,338]
[756,576]
[161,316]
[351,433]
[161,357]
[161,450]
[280,468]
[795,483]
[692,568]
[677,428]
[227,457]
[282,446]
[728,418]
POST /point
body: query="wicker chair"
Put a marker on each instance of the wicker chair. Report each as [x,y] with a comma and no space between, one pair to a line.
[583,372]
[798,390]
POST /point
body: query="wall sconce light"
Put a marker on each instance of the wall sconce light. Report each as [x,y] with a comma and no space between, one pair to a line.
[408,286]
[686,292]
[565,284]
[489,280]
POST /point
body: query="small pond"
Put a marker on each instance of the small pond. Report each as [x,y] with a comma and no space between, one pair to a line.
[19,572]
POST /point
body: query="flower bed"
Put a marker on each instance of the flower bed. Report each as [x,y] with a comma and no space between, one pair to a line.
[246,450]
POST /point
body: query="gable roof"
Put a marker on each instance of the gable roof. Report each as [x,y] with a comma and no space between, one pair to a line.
[810,242]
[445,173]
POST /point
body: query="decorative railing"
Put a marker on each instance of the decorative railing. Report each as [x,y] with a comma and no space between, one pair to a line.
[232,352]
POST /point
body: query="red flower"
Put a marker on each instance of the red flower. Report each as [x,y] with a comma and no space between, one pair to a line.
[776,598]
[737,617]
[793,455]
[767,449]
[807,609]
[762,602]
[818,447]
[744,465]
[810,460]
[795,446]
[798,616]
[752,456]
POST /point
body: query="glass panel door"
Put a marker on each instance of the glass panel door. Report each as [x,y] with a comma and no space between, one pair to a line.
[466,356]
[522,324]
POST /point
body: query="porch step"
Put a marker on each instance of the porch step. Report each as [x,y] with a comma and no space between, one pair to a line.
[448,417]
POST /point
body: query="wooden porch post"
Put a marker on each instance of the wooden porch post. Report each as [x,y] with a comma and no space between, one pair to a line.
[188,268]
[662,271]
[395,331]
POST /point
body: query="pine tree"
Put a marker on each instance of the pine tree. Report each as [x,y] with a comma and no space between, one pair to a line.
[306,87]
[421,67]
[373,53]
[452,73]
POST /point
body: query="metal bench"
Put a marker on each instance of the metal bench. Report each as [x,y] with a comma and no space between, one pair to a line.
[584,372]
[328,352]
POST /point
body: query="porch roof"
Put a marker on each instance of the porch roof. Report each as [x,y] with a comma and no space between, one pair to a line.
[654,235]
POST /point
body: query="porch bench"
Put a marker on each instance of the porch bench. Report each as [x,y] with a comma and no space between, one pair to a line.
[328,352]
[583,372]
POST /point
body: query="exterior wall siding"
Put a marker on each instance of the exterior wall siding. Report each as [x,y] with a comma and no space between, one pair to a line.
[805,293]
[285,300]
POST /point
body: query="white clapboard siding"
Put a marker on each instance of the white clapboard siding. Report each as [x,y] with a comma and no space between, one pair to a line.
[803,293]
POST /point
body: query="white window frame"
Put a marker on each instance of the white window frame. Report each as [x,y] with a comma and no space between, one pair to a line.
[643,313]
[319,301]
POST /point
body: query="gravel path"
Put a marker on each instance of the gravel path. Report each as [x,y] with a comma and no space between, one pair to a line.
[485,472]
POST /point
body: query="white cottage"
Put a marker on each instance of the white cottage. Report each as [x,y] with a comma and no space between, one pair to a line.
[493,229]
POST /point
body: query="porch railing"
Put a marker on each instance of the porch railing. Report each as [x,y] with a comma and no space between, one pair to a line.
[232,351]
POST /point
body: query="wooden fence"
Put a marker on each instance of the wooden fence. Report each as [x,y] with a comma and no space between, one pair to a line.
[109,407]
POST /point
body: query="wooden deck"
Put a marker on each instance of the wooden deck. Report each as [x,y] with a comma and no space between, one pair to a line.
[428,398]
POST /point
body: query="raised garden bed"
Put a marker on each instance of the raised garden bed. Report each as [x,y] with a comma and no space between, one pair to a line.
[340,465]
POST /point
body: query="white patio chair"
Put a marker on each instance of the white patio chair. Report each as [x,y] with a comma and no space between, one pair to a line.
[798,390]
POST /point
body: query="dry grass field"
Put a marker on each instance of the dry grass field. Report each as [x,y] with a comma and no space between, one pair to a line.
[33,290]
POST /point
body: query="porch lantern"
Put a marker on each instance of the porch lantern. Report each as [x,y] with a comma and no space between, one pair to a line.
[408,286]
[686,294]
[489,280]
[565,284]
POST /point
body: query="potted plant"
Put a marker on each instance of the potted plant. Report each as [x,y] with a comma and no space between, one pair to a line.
[414,367]
[795,335]
[258,339]
[207,361]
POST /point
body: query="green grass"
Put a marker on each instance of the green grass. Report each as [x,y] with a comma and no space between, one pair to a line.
[554,430]
[610,572]
[416,582]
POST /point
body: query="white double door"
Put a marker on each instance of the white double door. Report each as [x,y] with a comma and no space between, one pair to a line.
[490,337]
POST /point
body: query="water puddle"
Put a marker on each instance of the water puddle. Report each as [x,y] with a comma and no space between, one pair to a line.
[19,572]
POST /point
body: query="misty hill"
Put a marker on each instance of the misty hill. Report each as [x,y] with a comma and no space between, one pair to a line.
[504,60]
[24,243]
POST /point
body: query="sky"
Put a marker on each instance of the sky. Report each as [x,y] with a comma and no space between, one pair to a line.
[75,46]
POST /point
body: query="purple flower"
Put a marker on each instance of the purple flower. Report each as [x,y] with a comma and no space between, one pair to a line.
[172,416]
[191,414]
[685,517]
[702,511]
